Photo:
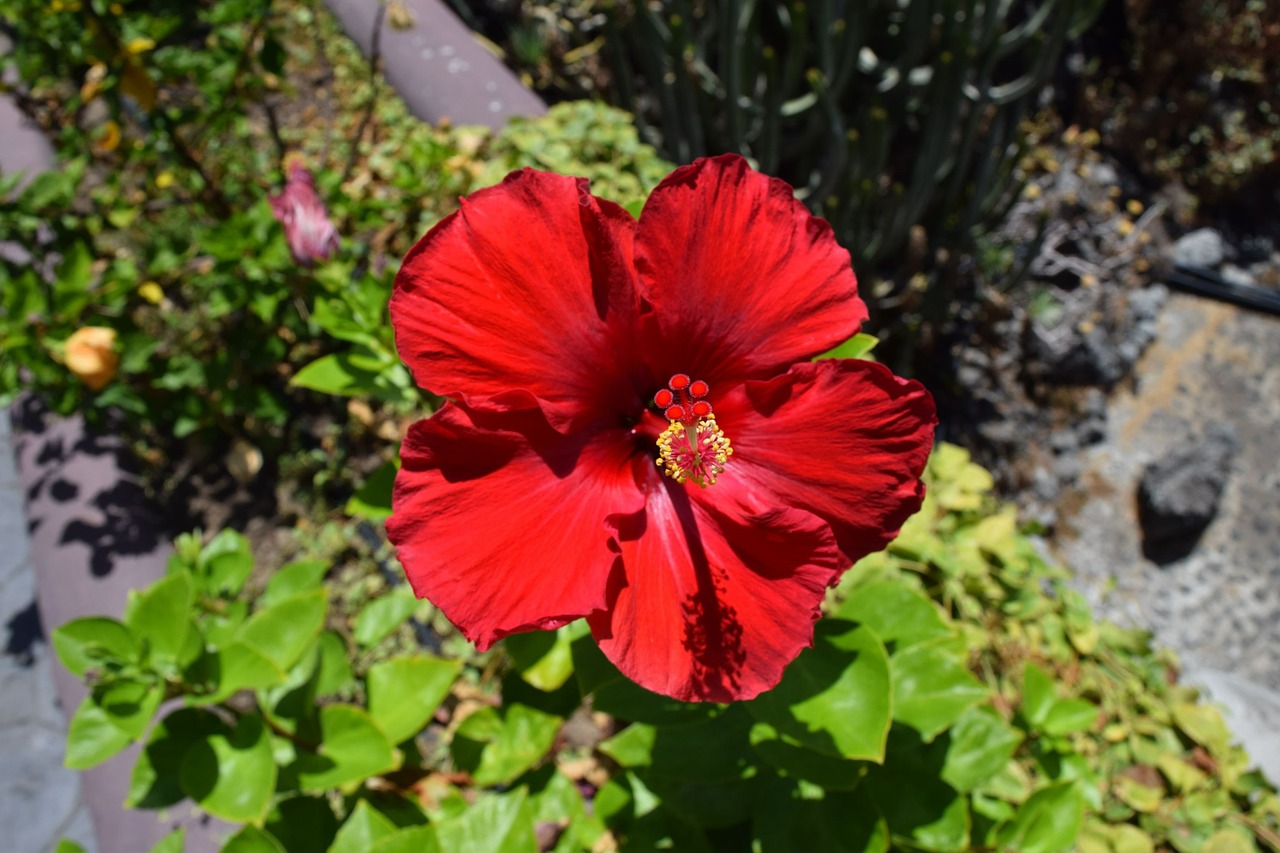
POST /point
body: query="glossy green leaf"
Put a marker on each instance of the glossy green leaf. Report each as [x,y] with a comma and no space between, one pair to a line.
[933,815]
[130,705]
[238,667]
[159,616]
[545,658]
[1047,822]
[900,616]
[85,644]
[361,830]
[1070,715]
[250,839]
[372,500]
[714,749]
[411,839]
[232,775]
[1204,725]
[405,692]
[335,672]
[284,630]
[303,823]
[92,737]
[66,845]
[352,749]
[827,771]
[225,563]
[859,346]
[836,697]
[155,783]
[297,577]
[1038,695]
[496,823]
[339,374]
[932,687]
[497,745]
[383,615]
[979,745]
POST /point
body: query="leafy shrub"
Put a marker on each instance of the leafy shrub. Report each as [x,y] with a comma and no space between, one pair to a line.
[957,696]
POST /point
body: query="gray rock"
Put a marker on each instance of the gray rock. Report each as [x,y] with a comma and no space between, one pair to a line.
[1178,495]
[1235,275]
[1203,247]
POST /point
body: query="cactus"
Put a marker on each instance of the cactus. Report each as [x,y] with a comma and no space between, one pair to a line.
[885,114]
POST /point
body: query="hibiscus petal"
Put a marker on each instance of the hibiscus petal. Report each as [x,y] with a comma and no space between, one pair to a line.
[521,298]
[743,279]
[501,522]
[841,438]
[712,606]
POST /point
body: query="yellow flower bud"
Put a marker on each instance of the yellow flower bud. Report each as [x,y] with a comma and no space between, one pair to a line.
[151,292]
[90,354]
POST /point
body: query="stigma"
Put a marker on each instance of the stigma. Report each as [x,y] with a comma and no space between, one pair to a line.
[692,447]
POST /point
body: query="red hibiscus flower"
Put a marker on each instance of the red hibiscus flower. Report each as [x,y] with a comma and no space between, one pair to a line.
[307,228]
[637,434]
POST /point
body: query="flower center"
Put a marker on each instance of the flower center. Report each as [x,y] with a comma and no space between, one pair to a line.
[693,447]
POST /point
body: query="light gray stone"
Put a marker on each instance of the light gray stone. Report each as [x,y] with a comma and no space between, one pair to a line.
[1203,247]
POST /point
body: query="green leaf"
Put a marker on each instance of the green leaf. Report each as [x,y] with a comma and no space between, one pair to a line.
[92,737]
[497,745]
[1136,795]
[900,616]
[412,839]
[544,658]
[836,697]
[85,644]
[155,783]
[1038,696]
[1204,725]
[979,745]
[914,800]
[303,823]
[858,346]
[335,667]
[250,839]
[174,842]
[66,845]
[383,615]
[130,705]
[240,666]
[358,832]
[1047,822]
[373,499]
[338,374]
[284,630]
[496,823]
[1070,715]
[715,749]
[297,577]
[232,775]
[931,688]
[352,749]
[827,771]
[404,692]
[160,616]
[225,563]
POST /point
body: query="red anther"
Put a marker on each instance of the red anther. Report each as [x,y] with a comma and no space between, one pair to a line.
[675,413]
[701,409]
[663,398]
[679,382]
[699,388]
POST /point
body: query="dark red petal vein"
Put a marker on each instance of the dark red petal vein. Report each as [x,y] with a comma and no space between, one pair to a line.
[709,606]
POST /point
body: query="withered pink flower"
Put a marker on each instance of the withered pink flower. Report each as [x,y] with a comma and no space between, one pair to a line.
[312,237]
